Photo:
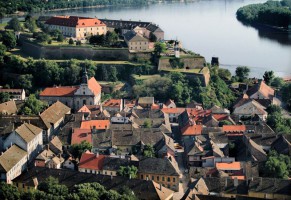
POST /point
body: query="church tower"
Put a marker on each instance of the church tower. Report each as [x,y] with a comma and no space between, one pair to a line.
[176,49]
[84,77]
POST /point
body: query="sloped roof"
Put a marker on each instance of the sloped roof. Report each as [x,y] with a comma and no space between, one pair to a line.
[98,124]
[263,88]
[146,100]
[11,157]
[84,109]
[80,135]
[74,21]
[161,166]
[59,91]
[28,132]
[250,107]
[8,107]
[54,113]
[94,86]
[112,103]
[173,110]
[45,155]
[228,166]
[56,145]
[234,128]
[163,192]
[13,91]
[192,130]
[91,161]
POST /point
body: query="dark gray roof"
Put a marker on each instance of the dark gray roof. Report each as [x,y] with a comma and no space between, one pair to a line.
[102,139]
[219,137]
[270,186]
[282,144]
[113,164]
[142,189]
[123,24]
[133,36]
[154,28]
[161,166]
[263,140]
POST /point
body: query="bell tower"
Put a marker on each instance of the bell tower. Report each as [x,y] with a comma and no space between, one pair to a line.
[176,49]
[84,76]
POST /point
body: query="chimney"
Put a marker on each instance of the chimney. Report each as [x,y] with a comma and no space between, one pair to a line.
[235,182]
[160,187]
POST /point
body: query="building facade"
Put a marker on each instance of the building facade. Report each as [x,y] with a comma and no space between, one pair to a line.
[76,27]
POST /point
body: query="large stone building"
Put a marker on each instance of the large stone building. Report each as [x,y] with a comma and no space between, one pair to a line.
[136,42]
[76,27]
[88,93]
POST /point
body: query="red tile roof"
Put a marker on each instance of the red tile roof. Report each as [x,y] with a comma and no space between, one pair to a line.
[234,128]
[99,124]
[80,135]
[220,117]
[155,107]
[84,109]
[191,130]
[228,166]
[173,110]
[94,86]
[112,103]
[59,91]
[197,114]
[91,161]
[74,21]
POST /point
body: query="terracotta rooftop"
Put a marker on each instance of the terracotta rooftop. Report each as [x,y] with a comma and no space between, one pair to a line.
[94,86]
[91,161]
[191,130]
[173,110]
[59,91]
[84,109]
[263,88]
[234,128]
[80,135]
[228,166]
[112,103]
[74,21]
[99,124]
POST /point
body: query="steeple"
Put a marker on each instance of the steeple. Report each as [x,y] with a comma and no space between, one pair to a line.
[177,49]
[84,76]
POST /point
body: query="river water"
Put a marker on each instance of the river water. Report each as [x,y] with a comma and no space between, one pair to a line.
[210,28]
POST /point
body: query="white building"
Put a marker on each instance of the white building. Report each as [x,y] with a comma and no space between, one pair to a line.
[28,137]
[12,163]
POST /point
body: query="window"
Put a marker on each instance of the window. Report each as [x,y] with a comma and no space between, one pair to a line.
[84,102]
[83,92]
[163,178]
[153,178]
[141,176]
[169,179]
[174,180]
[158,178]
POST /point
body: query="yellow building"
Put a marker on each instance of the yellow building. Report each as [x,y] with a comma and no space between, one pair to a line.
[76,27]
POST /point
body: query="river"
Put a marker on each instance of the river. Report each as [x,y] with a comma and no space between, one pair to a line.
[210,28]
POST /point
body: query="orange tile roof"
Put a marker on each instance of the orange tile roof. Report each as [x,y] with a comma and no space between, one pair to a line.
[91,161]
[59,91]
[155,107]
[228,166]
[84,109]
[234,128]
[173,110]
[238,177]
[112,103]
[220,117]
[197,114]
[99,124]
[94,86]
[266,90]
[80,135]
[191,130]
[75,21]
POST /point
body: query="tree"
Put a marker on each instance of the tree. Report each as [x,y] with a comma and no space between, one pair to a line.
[242,73]
[51,186]
[33,106]
[224,74]
[224,122]
[9,40]
[60,38]
[30,24]
[160,47]
[43,37]
[25,81]
[277,82]
[71,72]
[278,165]
[268,77]
[71,41]
[90,67]
[2,52]
[8,192]
[147,123]
[78,149]
[14,24]
[286,95]
[4,97]
[127,171]
[149,151]
[111,38]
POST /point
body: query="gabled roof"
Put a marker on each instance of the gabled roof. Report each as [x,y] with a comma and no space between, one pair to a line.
[263,88]
[8,107]
[84,109]
[91,161]
[11,157]
[80,135]
[94,86]
[45,155]
[54,113]
[28,132]
[234,128]
[56,145]
[98,124]
[74,21]
[192,130]
[146,100]
[173,110]
[59,91]
[250,107]
[112,103]
[162,166]
[113,163]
